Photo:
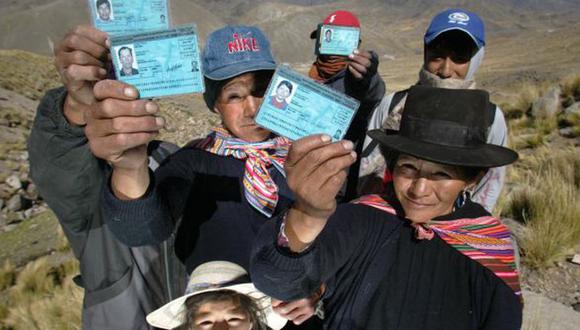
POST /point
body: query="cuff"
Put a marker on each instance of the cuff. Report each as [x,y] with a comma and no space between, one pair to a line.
[53,108]
[143,221]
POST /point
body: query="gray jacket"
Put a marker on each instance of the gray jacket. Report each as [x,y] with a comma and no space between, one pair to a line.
[122,284]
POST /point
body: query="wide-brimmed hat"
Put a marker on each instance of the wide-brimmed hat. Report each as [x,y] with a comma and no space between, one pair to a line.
[457,19]
[236,49]
[214,276]
[446,126]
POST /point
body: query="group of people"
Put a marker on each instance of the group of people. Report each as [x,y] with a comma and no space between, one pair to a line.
[388,228]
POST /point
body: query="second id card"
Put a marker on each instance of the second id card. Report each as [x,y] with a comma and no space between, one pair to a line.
[159,63]
[337,40]
[122,17]
[295,106]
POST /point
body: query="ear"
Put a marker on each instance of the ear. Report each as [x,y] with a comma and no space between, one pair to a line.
[217,110]
[471,185]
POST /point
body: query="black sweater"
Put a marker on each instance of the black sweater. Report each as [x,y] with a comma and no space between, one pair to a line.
[380,277]
[199,197]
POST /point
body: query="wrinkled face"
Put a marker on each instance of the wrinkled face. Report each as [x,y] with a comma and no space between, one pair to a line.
[425,189]
[221,315]
[126,58]
[449,55]
[282,92]
[104,11]
[238,103]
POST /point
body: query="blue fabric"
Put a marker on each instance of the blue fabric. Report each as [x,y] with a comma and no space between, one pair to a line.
[457,19]
[236,49]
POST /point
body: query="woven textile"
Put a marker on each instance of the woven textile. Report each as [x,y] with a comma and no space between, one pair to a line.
[483,239]
[259,188]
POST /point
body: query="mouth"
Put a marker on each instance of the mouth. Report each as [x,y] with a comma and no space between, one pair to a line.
[417,204]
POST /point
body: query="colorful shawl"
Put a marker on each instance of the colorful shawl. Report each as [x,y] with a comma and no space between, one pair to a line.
[259,188]
[484,240]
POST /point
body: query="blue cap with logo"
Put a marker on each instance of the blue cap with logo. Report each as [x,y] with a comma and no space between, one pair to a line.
[457,19]
[233,50]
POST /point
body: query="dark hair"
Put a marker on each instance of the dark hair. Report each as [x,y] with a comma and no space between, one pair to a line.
[213,88]
[100,2]
[248,305]
[454,43]
[468,173]
[287,84]
[122,48]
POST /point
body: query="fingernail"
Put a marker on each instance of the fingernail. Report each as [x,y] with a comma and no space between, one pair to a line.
[325,138]
[347,144]
[351,56]
[102,71]
[159,121]
[130,92]
[108,42]
[353,155]
[151,107]
[355,51]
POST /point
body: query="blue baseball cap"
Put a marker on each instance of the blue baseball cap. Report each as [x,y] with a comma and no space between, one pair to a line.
[457,19]
[236,49]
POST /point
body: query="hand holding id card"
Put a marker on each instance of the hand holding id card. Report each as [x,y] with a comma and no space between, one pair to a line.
[121,17]
[159,63]
[337,40]
[295,106]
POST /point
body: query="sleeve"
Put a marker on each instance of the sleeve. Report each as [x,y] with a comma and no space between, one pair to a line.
[505,309]
[489,188]
[369,91]
[350,233]
[152,218]
[66,173]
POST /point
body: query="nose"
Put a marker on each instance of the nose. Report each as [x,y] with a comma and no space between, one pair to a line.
[446,69]
[220,325]
[252,105]
[419,188]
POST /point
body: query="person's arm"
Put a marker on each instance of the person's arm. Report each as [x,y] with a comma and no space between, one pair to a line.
[317,246]
[363,81]
[503,309]
[489,188]
[67,175]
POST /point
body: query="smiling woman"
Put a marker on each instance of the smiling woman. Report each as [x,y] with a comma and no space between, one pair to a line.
[421,256]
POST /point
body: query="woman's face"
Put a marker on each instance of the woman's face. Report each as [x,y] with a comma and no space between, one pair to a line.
[425,189]
[221,315]
[238,103]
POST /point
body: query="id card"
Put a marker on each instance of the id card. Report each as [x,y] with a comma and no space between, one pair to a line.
[295,106]
[337,40]
[122,17]
[159,63]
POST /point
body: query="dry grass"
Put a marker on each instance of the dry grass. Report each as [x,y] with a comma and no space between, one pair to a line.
[7,275]
[44,297]
[547,201]
[571,91]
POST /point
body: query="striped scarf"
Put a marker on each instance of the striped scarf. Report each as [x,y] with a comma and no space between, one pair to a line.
[484,240]
[259,188]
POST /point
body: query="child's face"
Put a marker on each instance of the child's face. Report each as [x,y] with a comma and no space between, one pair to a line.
[221,315]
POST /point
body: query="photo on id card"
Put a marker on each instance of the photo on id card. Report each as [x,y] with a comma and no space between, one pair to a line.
[296,106]
[337,40]
[124,17]
[159,63]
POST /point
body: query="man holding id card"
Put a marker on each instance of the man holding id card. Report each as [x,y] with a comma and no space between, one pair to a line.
[342,66]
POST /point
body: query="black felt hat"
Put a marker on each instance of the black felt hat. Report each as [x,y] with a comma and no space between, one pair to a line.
[446,126]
